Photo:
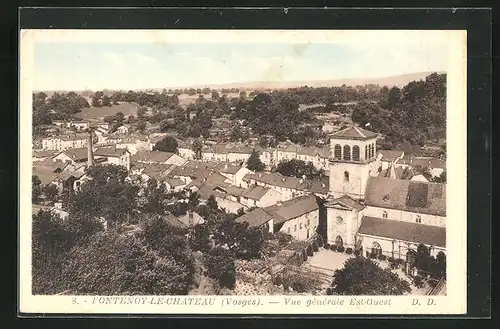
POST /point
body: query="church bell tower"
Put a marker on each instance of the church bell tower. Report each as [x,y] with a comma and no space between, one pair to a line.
[352,161]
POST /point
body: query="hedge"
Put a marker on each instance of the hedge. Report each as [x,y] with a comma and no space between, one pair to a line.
[348,251]
[340,249]
[333,247]
[326,246]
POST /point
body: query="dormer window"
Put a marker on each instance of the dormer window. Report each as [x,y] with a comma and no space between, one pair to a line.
[384,214]
[386,198]
[346,176]
[418,219]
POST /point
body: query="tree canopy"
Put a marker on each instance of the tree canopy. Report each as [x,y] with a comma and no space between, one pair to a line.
[362,276]
[167,144]
[298,168]
[254,163]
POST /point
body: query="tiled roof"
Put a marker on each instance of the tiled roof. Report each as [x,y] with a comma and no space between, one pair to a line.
[255,192]
[152,156]
[73,137]
[412,196]
[77,153]
[158,171]
[256,217]
[355,133]
[173,182]
[278,180]
[44,154]
[348,202]
[110,152]
[49,165]
[227,168]
[403,231]
[207,190]
[293,208]
[389,155]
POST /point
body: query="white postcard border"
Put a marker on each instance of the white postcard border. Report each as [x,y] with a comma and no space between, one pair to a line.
[453,303]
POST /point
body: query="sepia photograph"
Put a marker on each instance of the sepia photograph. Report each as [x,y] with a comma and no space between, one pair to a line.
[298,164]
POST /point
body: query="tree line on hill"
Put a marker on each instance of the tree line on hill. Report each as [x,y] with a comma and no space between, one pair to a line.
[415,114]
[60,106]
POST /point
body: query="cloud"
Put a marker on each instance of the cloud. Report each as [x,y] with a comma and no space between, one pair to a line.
[143,60]
[114,60]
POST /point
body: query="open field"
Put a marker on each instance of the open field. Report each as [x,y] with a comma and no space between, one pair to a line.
[101,112]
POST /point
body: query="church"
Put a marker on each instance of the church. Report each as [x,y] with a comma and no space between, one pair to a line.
[379,215]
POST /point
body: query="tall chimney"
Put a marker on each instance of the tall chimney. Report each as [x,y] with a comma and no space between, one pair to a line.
[90,151]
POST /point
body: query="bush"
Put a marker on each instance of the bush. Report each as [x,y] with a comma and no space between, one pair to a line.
[315,247]
[326,246]
[418,281]
[333,247]
[432,283]
[382,257]
[340,249]
[348,251]
[400,261]
[373,255]
[357,253]
[310,251]
[391,259]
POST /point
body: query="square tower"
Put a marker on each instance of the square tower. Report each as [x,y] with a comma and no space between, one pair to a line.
[352,154]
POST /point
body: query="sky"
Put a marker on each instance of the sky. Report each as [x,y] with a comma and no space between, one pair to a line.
[141,65]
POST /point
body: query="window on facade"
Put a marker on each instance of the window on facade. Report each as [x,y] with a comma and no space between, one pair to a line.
[376,249]
[419,219]
[301,226]
[288,230]
[366,151]
[295,228]
[340,220]
[347,152]
[355,153]
[308,222]
[384,214]
[346,176]
[337,152]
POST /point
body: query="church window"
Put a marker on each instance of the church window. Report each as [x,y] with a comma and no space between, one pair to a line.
[419,219]
[337,152]
[339,220]
[347,152]
[355,153]
[295,228]
[346,176]
[288,230]
[339,242]
[384,214]
[376,249]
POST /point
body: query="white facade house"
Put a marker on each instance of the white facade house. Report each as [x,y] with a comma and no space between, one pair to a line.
[116,156]
[61,143]
[298,217]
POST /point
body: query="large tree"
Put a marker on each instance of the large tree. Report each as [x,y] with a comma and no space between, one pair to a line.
[36,189]
[298,168]
[106,194]
[115,263]
[167,144]
[220,266]
[362,276]
[197,147]
[254,163]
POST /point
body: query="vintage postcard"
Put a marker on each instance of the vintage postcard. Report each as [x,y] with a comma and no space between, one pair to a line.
[243,172]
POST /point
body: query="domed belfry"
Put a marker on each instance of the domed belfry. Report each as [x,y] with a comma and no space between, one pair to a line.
[352,160]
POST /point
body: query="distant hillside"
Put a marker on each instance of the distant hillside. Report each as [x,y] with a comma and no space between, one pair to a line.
[396,80]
